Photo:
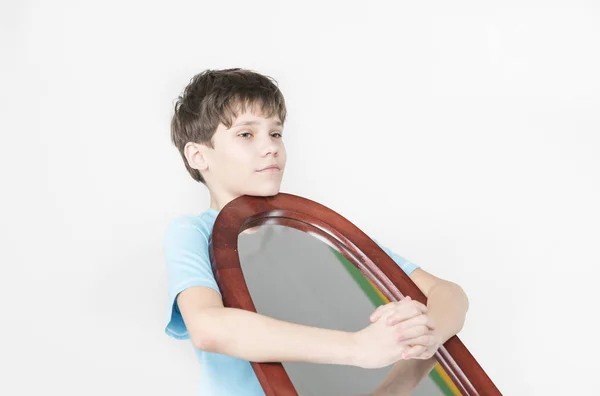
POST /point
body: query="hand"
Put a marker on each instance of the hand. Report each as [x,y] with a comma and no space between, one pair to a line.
[384,341]
[416,329]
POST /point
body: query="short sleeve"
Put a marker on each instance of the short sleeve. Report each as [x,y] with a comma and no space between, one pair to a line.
[186,244]
[407,266]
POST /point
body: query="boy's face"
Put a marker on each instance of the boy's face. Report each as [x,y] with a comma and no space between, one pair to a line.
[247,159]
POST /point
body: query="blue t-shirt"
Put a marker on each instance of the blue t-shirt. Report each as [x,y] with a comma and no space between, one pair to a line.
[186,244]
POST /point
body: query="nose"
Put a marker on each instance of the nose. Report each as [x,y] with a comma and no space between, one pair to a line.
[269,147]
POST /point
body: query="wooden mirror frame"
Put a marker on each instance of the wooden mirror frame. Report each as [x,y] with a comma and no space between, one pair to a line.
[311,217]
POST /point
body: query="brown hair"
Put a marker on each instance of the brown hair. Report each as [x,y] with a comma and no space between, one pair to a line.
[218,96]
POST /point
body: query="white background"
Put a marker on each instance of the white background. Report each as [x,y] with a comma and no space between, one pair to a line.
[463,135]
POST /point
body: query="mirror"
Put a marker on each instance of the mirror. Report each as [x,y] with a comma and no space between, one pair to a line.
[274,236]
[297,277]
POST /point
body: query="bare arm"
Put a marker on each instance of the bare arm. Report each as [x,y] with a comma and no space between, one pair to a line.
[258,338]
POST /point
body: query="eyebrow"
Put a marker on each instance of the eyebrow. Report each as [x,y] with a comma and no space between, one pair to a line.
[278,123]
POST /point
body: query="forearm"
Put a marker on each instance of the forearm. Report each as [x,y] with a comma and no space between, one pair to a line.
[258,338]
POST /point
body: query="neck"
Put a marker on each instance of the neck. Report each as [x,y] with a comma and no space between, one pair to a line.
[218,201]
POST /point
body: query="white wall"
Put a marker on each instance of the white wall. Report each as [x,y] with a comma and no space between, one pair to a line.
[463,135]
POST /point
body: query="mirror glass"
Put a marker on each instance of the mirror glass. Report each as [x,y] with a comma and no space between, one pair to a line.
[297,277]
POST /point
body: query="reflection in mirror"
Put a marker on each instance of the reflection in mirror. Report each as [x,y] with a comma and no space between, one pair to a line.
[293,276]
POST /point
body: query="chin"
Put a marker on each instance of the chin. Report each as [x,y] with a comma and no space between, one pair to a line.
[264,191]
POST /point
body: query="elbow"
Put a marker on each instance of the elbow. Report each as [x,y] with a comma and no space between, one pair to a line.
[203,333]
[204,342]
[463,302]
[459,294]
[462,296]
[459,298]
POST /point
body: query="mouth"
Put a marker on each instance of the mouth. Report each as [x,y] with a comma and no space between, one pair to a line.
[271,168]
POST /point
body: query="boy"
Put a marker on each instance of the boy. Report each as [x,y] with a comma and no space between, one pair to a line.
[228,128]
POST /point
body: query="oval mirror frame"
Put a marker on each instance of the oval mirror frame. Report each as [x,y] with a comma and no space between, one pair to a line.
[311,217]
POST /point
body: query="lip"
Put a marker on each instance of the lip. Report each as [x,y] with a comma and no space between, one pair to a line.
[270,168]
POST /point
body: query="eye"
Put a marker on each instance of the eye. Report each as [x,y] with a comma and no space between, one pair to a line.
[277,135]
[244,134]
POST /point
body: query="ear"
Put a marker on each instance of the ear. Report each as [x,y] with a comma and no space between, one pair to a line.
[195,153]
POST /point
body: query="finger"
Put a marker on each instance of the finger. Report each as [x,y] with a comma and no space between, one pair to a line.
[403,313]
[421,306]
[430,323]
[413,352]
[411,321]
[380,310]
[413,332]
[385,307]
[426,341]
[417,322]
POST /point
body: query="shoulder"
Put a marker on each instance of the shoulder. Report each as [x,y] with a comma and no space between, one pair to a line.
[189,226]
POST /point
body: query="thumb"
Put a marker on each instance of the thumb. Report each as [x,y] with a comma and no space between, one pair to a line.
[375,315]
[378,312]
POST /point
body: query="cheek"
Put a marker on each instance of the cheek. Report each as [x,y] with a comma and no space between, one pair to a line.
[238,158]
[282,155]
